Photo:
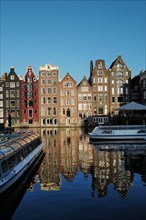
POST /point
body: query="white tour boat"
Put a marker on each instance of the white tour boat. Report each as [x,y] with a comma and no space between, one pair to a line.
[16,156]
[118,133]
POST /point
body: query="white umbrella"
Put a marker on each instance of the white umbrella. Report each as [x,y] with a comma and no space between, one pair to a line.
[132,106]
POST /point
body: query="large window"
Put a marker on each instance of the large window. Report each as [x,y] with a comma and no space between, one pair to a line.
[119,75]
[67,84]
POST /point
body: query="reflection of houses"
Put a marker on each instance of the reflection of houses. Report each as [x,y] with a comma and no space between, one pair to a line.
[136,162]
[109,167]
[50,167]
[69,153]
[85,154]
[29,97]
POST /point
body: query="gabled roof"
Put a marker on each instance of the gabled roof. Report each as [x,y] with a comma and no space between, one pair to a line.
[84,79]
[68,75]
[119,58]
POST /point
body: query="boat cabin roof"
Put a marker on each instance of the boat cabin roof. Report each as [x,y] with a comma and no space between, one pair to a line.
[14,145]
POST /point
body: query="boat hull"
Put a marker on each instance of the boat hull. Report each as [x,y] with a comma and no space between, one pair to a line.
[120,138]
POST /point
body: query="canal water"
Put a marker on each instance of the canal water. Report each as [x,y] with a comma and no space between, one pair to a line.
[76,180]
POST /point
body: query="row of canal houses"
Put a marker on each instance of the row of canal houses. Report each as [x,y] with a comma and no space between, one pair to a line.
[48,101]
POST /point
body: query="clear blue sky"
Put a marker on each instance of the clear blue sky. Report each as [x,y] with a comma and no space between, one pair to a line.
[71,33]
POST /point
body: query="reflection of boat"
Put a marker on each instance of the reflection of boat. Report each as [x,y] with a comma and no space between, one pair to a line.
[122,147]
[10,200]
[16,156]
[119,133]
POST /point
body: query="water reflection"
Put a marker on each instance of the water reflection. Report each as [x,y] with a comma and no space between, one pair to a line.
[77,174]
[68,150]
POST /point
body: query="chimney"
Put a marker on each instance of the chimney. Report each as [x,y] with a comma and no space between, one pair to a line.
[91,67]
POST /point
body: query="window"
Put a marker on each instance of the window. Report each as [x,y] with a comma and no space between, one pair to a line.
[17,93]
[43,74]
[113,91]
[29,79]
[80,106]
[67,84]
[68,92]
[17,84]
[54,100]
[113,99]
[18,103]
[29,95]
[29,86]
[100,109]
[12,103]
[49,81]
[54,90]
[49,90]
[1,103]
[12,77]
[49,100]
[113,81]
[54,74]
[100,88]
[12,93]
[100,80]
[1,96]
[62,92]
[106,80]
[119,75]
[120,99]
[68,102]
[12,84]
[120,90]
[7,84]
[73,101]
[43,81]
[100,97]
[119,82]
[119,66]
[84,89]
[1,113]
[49,111]
[112,73]
[30,113]
[49,74]
[54,81]
[100,65]
[68,112]
[73,92]
[94,80]
[100,72]
[43,100]
[54,111]
[94,98]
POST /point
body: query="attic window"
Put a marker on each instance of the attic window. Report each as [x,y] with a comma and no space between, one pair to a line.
[12,77]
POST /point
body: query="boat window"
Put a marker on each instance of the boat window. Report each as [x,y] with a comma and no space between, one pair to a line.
[12,161]
[20,155]
[4,166]
[25,152]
